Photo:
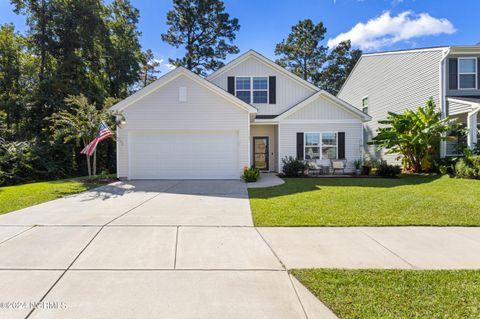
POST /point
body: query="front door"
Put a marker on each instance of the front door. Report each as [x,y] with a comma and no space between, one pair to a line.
[260,152]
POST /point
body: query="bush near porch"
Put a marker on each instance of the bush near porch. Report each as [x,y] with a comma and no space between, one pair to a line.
[409,200]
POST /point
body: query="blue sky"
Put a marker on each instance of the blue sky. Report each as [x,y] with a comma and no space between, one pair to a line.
[373,25]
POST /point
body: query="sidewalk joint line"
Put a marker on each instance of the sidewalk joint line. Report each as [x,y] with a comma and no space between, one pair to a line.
[389,250]
[271,249]
[65,271]
[296,294]
[176,249]
[9,238]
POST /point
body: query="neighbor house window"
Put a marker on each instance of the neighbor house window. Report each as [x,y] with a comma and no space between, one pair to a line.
[467,73]
[320,145]
[365,105]
[252,89]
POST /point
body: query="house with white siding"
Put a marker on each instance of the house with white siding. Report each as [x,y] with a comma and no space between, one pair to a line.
[251,112]
[399,80]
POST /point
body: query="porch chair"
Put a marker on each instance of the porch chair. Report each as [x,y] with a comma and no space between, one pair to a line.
[314,168]
[338,165]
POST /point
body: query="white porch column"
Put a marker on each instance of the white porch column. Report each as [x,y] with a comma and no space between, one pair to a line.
[472,137]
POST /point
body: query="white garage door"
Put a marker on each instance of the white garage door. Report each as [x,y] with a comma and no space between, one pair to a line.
[184,155]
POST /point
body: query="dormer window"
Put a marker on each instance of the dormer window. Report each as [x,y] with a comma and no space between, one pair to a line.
[250,89]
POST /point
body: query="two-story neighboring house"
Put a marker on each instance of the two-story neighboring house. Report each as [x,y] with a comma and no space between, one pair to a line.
[399,80]
[251,112]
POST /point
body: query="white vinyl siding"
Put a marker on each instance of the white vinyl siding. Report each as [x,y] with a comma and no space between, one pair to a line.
[393,83]
[203,111]
[288,91]
[322,108]
[324,116]
[353,139]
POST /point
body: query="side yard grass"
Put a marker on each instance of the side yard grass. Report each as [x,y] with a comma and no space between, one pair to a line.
[408,200]
[20,196]
[395,294]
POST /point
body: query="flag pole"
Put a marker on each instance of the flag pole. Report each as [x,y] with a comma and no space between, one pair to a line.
[95,162]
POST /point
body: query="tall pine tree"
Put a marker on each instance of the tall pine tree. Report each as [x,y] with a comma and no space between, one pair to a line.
[204,30]
[302,52]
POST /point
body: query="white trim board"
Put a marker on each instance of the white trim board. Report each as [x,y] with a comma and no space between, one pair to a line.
[172,75]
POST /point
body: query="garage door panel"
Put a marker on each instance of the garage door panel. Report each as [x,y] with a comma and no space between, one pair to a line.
[184,155]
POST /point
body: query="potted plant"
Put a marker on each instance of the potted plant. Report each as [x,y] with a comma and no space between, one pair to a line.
[358,165]
[251,174]
[367,167]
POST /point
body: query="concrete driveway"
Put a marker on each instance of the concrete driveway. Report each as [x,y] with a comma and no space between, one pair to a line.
[145,249]
[188,249]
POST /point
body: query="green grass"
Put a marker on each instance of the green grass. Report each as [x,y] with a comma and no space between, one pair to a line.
[21,196]
[396,294]
[409,200]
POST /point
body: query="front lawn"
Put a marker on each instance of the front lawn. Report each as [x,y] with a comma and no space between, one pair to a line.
[408,200]
[395,294]
[21,196]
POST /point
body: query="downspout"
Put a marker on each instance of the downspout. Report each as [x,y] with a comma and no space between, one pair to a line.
[472,128]
[443,90]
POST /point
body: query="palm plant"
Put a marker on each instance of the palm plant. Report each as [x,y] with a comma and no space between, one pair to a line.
[80,124]
[415,135]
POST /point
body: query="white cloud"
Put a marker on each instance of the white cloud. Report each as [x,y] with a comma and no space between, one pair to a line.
[170,66]
[386,30]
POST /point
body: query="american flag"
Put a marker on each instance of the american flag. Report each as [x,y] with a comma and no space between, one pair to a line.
[103,133]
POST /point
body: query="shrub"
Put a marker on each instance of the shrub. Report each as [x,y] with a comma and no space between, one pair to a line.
[251,174]
[357,163]
[443,169]
[386,170]
[293,167]
[468,167]
[447,163]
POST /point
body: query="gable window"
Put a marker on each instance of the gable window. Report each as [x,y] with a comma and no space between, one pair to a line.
[321,146]
[252,89]
[365,105]
[467,73]
[242,87]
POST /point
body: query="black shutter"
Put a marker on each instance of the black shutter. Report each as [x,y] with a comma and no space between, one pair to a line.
[478,73]
[453,74]
[272,89]
[300,146]
[231,85]
[341,145]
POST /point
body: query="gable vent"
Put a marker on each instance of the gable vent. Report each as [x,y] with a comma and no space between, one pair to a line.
[182,94]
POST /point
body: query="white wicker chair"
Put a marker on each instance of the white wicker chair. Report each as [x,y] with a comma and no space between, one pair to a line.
[338,165]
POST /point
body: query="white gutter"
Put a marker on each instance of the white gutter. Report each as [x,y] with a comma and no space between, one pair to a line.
[442,97]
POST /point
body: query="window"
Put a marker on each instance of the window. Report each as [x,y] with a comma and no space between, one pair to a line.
[320,145]
[250,89]
[260,90]
[242,87]
[365,105]
[467,73]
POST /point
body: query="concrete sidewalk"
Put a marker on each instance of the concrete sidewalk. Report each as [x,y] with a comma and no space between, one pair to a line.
[169,249]
[376,247]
